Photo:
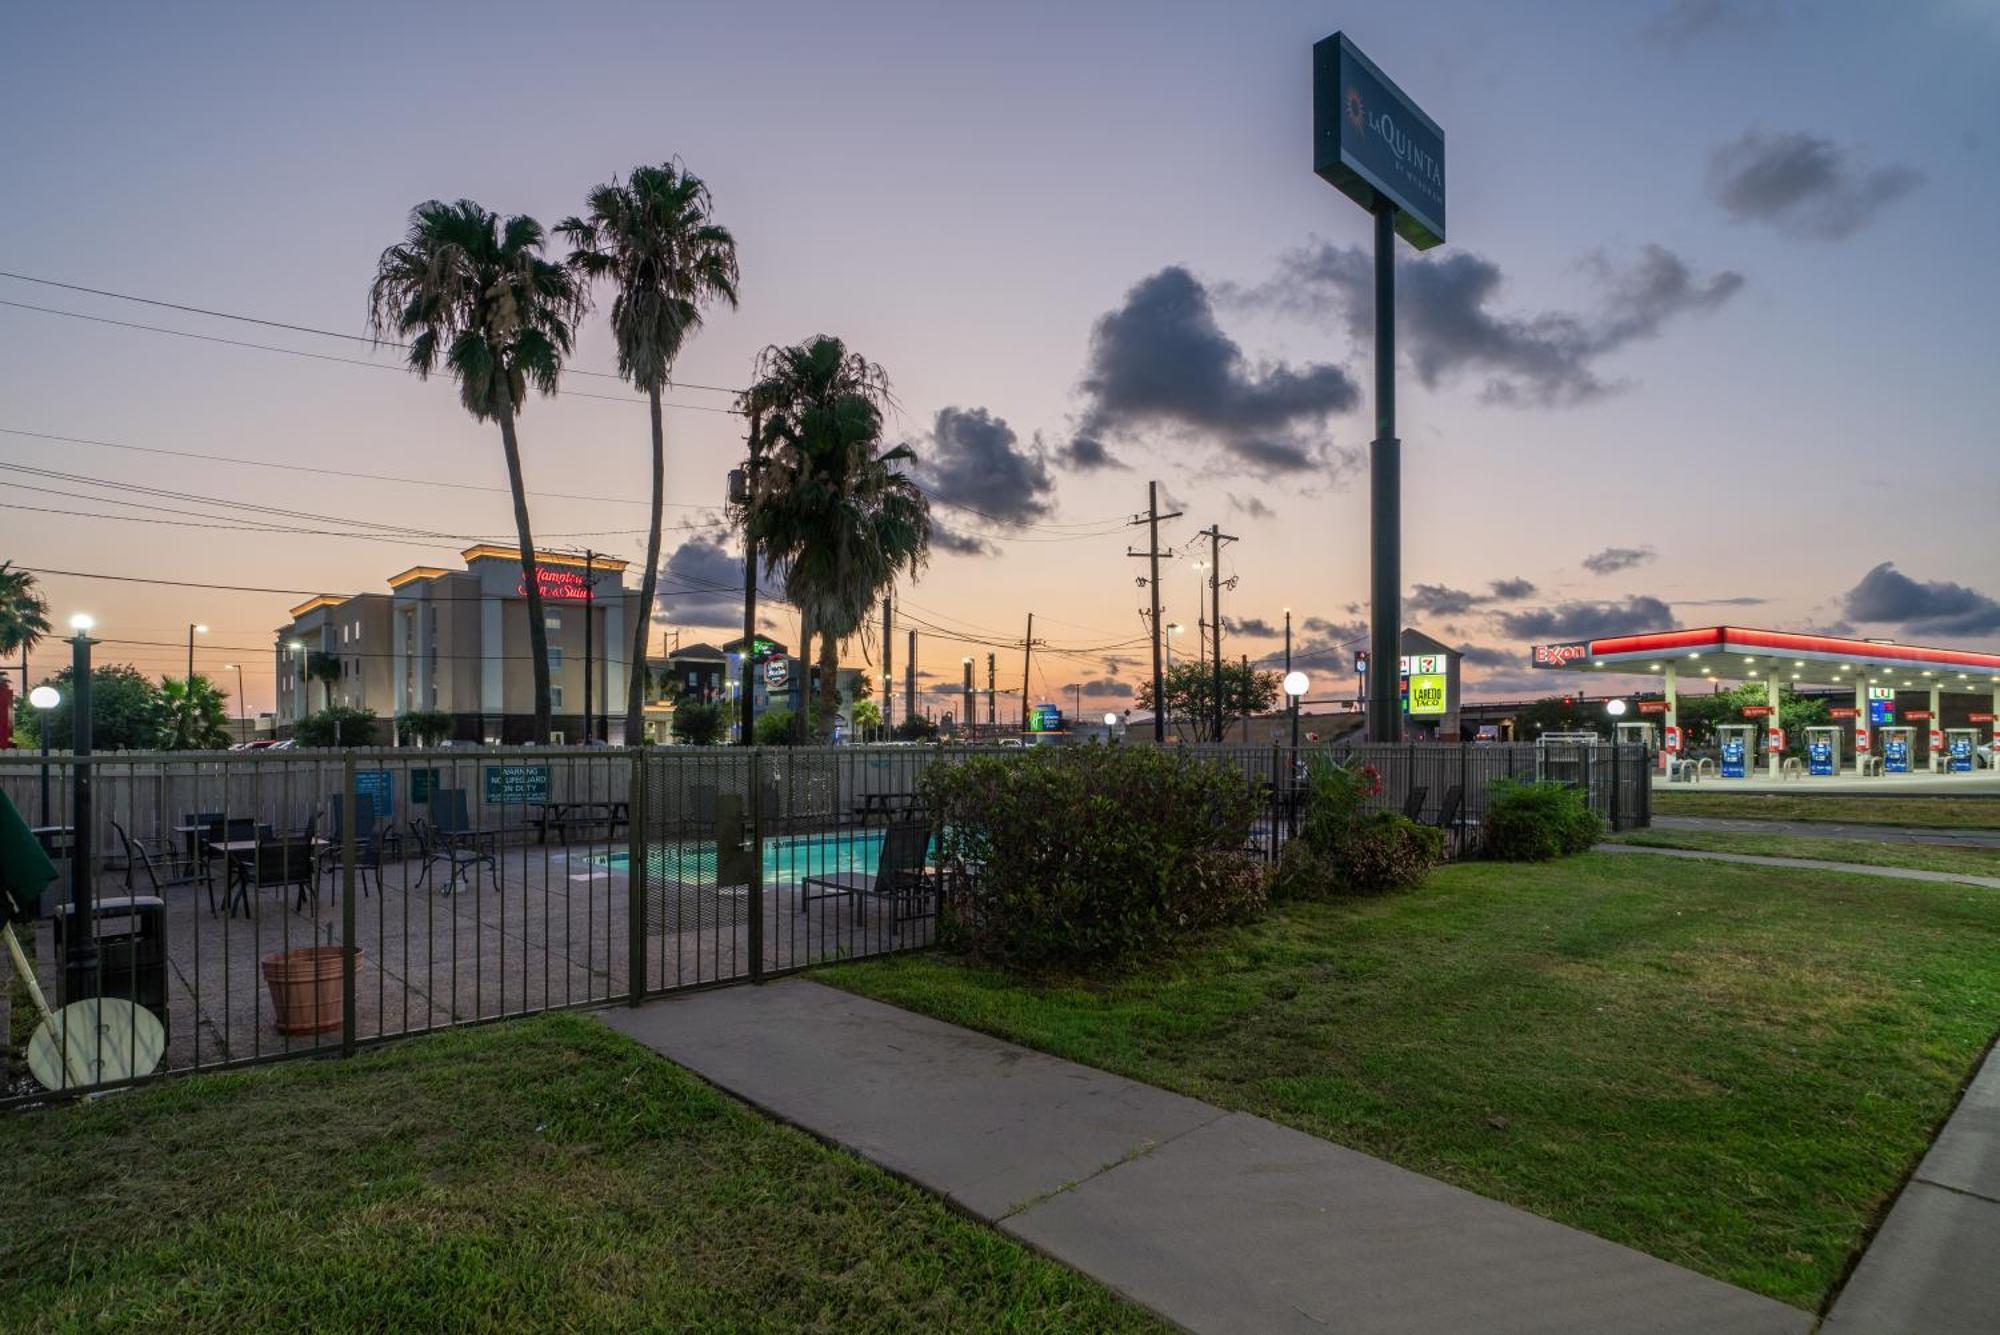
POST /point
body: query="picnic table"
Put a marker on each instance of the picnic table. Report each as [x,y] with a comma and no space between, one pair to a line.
[562,815]
[56,840]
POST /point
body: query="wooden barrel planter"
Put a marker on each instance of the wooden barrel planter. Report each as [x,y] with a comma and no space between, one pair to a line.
[305,988]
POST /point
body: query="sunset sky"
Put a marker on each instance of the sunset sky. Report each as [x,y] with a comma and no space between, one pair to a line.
[1713,337]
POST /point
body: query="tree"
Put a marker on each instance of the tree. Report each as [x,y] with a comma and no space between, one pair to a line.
[24,616]
[865,715]
[473,293]
[1190,695]
[654,238]
[1698,715]
[326,669]
[424,727]
[190,715]
[774,728]
[124,713]
[830,509]
[338,725]
[697,722]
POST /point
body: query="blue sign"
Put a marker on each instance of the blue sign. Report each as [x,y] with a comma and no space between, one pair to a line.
[377,787]
[1881,713]
[1732,758]
[1961,755]
[1896,755]
[1819,758]
[1374,145]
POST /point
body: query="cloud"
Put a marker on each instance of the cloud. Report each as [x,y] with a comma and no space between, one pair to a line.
[1585,620]
[1337,631]
[1683,22]
[1484,656]
[1448,326]
[1251,506]
[1802,185]
[1614,559]
[1742,600]
[1512,590]
[947,539]
[1161,363]
[1439,600]
[701,584]
[1106,688]
[1930,607]
[1253,626]
[975,460]
[1086,454]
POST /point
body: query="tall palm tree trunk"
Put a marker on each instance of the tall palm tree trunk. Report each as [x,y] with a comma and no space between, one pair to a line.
[800,733]
[829,684]
[538,626]
[635,689]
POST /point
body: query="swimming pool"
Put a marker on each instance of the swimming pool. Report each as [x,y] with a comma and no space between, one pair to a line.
[786,861]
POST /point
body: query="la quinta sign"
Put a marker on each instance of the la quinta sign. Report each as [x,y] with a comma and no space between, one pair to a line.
[1374,144]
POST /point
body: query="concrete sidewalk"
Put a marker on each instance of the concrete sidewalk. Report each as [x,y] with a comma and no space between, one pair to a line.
[1888,834]
[1931,1268]
[1217,1221]
[1808,864]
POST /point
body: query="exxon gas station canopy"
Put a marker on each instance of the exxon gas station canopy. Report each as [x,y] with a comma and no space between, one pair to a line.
[1734,653]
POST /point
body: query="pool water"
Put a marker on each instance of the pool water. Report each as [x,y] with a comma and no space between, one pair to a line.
[786,861]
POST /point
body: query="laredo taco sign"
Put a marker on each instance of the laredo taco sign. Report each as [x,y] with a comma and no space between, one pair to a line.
[1561,655]
[1372,143]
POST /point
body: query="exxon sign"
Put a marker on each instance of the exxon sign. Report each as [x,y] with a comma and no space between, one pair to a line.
[1374,144]
[1561,655]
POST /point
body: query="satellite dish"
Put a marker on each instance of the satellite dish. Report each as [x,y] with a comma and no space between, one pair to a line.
[100,1040]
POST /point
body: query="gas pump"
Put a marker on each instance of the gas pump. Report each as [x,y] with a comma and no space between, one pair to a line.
[1823,750]
[1959,744]
[1897,743]
[1738,742]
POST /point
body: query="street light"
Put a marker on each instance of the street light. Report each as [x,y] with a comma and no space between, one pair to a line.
[1111,725]
[242,709]
[1295,684]
[44,698]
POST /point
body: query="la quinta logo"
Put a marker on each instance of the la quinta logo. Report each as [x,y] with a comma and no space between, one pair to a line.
[1357,110]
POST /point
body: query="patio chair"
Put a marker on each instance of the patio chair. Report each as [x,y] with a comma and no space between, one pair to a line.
[1413,805]
[279,862]
[1450,817]
[435,845]
[898,876]
[138,856]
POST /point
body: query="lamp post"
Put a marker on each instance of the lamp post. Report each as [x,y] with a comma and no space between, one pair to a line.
[1296,683]
[242,709]
[80,977]
[44,698]
[1110,726]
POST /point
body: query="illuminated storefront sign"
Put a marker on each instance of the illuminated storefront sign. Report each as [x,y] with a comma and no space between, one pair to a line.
[1427,691]
[558,585]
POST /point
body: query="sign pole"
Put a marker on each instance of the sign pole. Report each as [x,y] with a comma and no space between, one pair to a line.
[1385,484]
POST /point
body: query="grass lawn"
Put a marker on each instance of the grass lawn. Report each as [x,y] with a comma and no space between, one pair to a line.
[1870,852]
[1730,1067]
[1939,813]
[539,1174]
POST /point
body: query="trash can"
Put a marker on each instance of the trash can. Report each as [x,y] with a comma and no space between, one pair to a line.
[131,952]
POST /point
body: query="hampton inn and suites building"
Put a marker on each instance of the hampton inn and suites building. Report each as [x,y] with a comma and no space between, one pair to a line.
[457,641]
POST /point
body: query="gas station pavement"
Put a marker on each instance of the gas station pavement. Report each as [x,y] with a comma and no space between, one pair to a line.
[1980,783]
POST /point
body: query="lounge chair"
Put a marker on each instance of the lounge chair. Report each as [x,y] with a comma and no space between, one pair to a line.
[898,876]
[1413,805]
[279,862]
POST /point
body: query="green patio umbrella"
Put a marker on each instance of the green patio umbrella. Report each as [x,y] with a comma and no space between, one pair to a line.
[25,868]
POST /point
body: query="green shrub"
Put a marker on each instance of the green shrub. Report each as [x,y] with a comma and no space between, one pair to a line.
[1091,855]
[774,727]
[424,727]
[699,722]
[1340,849]
[339,725]
[1533,822]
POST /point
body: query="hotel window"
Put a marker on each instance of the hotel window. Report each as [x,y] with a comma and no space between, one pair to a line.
[555,697]
[553,620]
[555,658]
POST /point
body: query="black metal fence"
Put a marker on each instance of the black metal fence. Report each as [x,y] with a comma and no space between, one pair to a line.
[263,905]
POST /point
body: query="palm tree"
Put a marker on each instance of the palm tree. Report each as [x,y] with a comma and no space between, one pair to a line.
[829,507]
[653,237]
[471,290]
[191,715]
[326,669]
[24,617]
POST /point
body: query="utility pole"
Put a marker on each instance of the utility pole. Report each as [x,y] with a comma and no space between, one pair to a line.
[1216,537]
[910,679]
[749,502]
[965,720]
[1027,657]
[1385,490]
[1152,554]
[888,661]
[589,605]
[992,719]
